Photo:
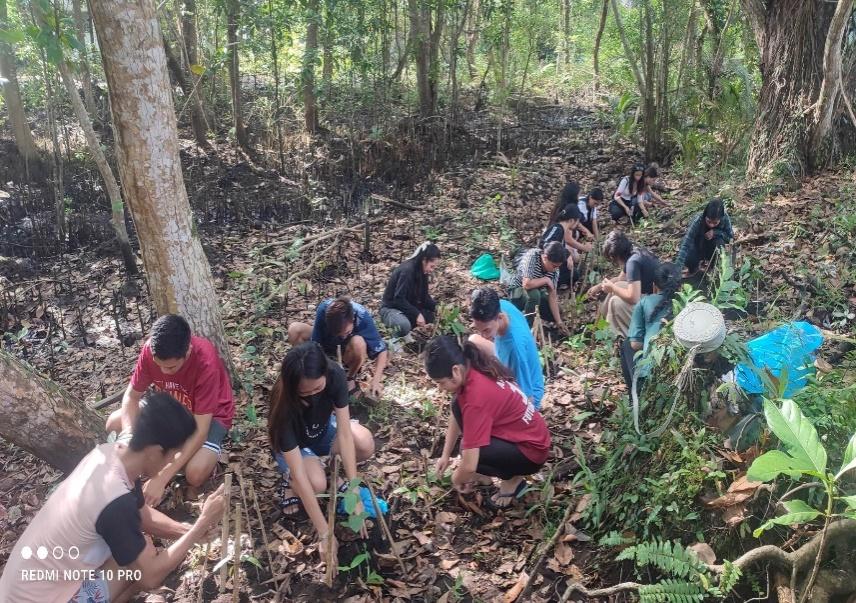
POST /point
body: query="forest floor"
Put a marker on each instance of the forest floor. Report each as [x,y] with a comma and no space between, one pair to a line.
[80,322]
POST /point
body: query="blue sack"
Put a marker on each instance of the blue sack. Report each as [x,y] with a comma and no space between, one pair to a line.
[789,347]
[366,497]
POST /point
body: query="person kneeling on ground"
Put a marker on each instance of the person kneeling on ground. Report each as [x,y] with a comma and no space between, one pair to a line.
[503,435]
[188,368]
[588,212]
[309,418]
[625,200]
[94,523]
[501,331]
[707,232]
[345,324]
[636,279]
[534,285]
[564,230]
[406,302]
[647,320]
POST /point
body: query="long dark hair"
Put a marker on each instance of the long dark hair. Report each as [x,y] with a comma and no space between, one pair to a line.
[304,361]
[667,277]
[444,352]
[570,194]
[715,209]
[426,251]
[635,187]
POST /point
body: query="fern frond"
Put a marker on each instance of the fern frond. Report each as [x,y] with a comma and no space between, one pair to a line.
[730,577]
[671,591]
[615,539]
[671,558]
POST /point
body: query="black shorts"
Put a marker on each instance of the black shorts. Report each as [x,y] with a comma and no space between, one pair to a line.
[500,458]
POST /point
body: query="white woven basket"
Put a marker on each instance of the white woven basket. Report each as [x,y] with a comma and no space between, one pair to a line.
[700,325]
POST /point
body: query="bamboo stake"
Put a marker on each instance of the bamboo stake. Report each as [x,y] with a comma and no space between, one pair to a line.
[332,560]
[224,533]
[236,579]
[387,532]
[246,507]
[264,537]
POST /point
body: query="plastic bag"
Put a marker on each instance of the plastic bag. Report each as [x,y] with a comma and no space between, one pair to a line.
[484,268]
[789,348]
[366,497]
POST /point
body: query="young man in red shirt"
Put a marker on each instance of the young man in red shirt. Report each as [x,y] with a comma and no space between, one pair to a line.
[188,368]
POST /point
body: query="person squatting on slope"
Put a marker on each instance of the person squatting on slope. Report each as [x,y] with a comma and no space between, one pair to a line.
[406,302]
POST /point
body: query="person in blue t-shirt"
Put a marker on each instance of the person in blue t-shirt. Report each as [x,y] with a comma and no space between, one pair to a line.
[501,329]
[344,324]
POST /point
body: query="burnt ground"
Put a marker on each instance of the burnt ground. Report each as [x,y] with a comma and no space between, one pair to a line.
[78,320]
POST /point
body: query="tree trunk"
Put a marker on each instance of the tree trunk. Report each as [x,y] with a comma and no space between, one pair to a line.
[42,418]
[310,59]
[197,117]
[197,110]
[24,140]
[327,50]
[788,139]
[150,168]
[274,55]
[603,14]
[232,17]
[473,39]
[566,32]
[421,36]
[85,75]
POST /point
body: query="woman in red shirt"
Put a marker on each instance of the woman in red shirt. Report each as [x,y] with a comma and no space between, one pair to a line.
[503,435]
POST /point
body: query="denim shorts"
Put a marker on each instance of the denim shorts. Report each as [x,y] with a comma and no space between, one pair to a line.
[92,591]
[320,448]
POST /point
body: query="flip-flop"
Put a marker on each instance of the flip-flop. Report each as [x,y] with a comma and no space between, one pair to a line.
[514,496]
[285,502]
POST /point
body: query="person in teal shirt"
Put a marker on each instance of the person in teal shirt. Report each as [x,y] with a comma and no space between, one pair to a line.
[647,319]
[501,330]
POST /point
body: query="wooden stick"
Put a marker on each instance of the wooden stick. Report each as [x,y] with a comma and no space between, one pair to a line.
[264,536]
[236,562]
[332,560]
[537,567]
[224,533]
[239,472]
[202,576]
[392,544]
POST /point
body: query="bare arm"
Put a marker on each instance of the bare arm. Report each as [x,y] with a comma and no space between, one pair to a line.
[345,440]
[157,524]
[537,283]
[154,488]
[553,300]
[130,407]
[629,294]
[303,488]
[381,363]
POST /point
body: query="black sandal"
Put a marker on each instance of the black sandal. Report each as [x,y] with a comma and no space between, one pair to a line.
[514,496]
[285,502]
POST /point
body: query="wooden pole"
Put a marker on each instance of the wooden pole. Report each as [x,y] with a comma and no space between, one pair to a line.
[332,560]
[236,562]
[224,532]
[264,537]
[392,544]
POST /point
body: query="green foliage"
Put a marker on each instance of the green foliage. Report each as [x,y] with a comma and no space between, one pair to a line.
[671,591]
[449,320]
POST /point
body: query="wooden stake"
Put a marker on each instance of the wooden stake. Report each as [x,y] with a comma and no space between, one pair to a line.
[332,559]
[264,537]
[202,576]
[392,544]
[240,475]
[236,562]
[224,533]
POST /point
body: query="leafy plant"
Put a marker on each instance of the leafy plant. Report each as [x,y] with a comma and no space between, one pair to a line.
[350,499]
[449,320]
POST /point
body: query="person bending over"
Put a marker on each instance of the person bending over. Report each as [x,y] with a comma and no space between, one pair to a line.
[188,368]
[96,521]
[625,200]
[648,195]
[647,319]
[344,324]
[569,194]
[707,232]
[636,279]
[588,213]
[503,435]
[501,330]
[406,302]
[534,284]
[309,418]
[564,230]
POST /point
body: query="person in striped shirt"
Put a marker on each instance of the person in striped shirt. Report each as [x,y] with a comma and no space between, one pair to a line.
[535,284]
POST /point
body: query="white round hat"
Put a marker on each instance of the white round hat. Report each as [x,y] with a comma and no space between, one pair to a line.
[700,324]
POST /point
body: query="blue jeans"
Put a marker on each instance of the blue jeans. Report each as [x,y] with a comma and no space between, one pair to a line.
[320,448]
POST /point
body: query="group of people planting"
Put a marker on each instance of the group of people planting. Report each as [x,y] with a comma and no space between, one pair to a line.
[178,406]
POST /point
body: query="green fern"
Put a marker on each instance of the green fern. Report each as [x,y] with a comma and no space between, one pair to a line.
[730,577]
[671,591]
[615,539]
[671,558]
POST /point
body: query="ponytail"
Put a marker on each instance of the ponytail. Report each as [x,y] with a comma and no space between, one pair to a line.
[444,353]
[667,277]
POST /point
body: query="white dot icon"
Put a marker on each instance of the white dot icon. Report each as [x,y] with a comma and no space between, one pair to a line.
[26,552]
[42,552]
[58,552]
[73,552]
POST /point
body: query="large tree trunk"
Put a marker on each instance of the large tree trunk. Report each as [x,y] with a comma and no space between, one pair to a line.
[42,418]
[310,58]
[601,26]
[150,168]
[85,75]
[789,136]
[420,32]
[232,18]
[11,94]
